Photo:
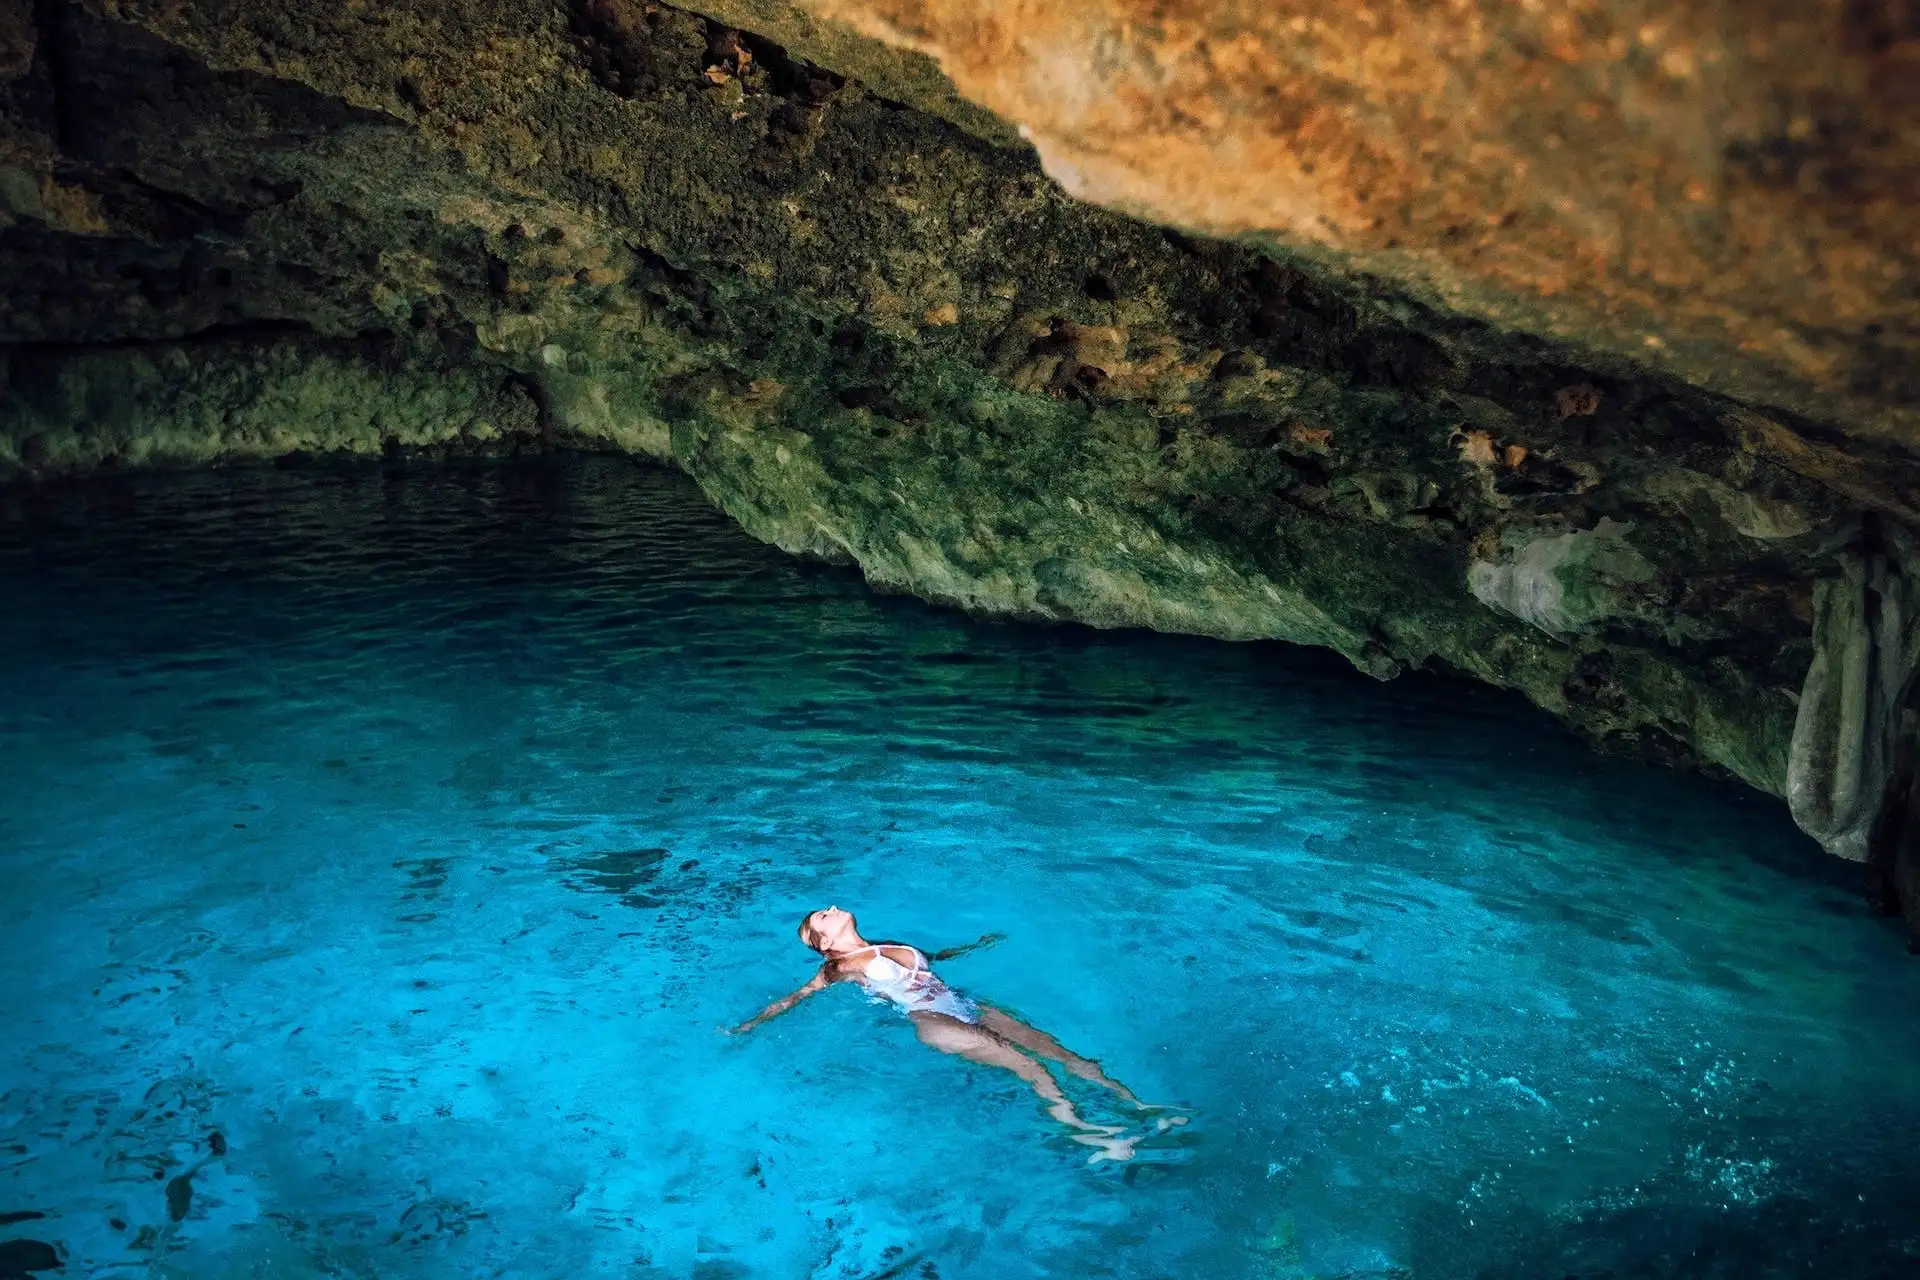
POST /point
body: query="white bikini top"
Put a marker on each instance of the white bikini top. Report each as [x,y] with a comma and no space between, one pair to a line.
[888,976]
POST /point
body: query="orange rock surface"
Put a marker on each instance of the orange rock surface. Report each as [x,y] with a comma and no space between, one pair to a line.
[1725,190]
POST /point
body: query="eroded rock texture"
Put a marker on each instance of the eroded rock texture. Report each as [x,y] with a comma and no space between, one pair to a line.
[1721,190]
[873,329]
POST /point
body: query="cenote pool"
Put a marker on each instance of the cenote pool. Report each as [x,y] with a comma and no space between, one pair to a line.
[414,832]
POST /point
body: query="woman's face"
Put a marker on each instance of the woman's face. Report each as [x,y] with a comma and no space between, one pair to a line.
[829,929]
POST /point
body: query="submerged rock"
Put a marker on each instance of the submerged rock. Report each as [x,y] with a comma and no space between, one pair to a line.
[180,1196]
[19,1259]
[854,308]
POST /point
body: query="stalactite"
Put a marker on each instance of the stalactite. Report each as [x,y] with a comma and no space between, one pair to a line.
[1866,642]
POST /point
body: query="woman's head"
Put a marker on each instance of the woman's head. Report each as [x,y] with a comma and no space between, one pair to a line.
[829,930]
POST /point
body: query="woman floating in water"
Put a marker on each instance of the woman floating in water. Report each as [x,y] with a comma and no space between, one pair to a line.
[952,1023]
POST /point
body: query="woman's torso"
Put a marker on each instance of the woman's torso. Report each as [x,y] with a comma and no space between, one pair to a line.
[900,973]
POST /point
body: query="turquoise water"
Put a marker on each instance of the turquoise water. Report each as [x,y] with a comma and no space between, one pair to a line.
[414,832]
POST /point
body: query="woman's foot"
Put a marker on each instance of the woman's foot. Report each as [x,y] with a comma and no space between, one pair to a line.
[1119,1150]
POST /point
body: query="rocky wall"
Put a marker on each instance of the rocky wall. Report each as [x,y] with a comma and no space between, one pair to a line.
[874,330]
[1723,191]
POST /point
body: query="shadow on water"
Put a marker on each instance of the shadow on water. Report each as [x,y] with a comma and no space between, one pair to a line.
[1770,1239]
[630,875]
[1767,1216]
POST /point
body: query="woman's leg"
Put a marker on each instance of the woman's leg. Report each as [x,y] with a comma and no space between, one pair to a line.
[977,1044]
[1009,1028]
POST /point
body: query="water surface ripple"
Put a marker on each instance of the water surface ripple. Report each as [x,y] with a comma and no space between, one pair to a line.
[414,831]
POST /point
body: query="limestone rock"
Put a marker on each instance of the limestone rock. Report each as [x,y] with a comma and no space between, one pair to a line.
[239,399]
[872,330]
[1721,190]
[1846,737]
[1564,582]
[17,38]
[903,76]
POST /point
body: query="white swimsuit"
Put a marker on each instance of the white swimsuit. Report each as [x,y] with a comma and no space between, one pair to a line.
[915,990]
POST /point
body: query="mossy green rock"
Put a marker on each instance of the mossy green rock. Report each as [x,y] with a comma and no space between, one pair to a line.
[874,335]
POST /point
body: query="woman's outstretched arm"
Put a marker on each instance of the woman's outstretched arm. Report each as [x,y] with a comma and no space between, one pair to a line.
[984,941]
[816,983]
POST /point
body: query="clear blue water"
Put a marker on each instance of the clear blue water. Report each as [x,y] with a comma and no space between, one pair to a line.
[415,832]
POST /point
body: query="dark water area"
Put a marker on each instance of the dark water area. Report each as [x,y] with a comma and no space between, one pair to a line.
[382,849]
